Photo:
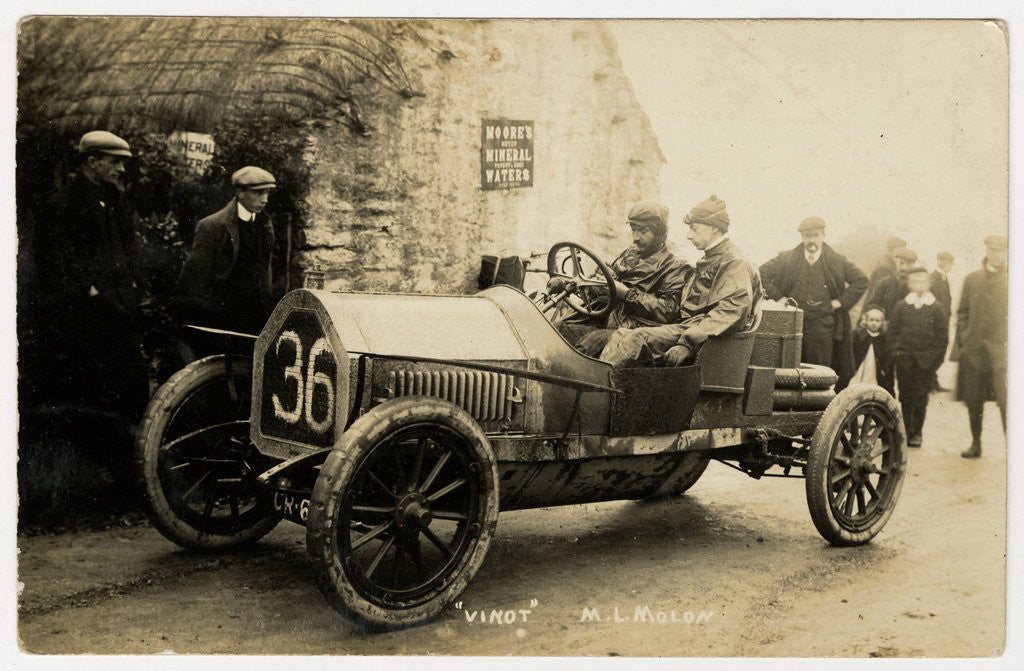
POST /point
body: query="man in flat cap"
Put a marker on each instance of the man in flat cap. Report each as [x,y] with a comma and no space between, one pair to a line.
[825,285]
[722,295]
[981,337]
[894,288]
[91,303]
[648,279]
[225,281]
[886,267]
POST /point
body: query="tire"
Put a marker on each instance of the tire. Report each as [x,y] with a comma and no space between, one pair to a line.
[193,429]
[857,451]
[413,486]
[807,376]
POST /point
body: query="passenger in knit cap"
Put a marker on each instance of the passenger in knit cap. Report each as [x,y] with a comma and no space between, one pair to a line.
[226,279]
[825,285]
[722,295]
[981,340]
[711,212]
[648,279]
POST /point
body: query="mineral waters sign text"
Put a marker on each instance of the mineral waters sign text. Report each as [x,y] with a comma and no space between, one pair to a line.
[506,153]
[196,148]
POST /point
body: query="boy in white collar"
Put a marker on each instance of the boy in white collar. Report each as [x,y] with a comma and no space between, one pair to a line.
[920,332]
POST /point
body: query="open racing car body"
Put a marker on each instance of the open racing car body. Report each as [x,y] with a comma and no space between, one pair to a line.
[395,427]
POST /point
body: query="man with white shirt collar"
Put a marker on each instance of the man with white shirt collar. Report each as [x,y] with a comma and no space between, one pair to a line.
[226,279]
[722,295]
[825,285]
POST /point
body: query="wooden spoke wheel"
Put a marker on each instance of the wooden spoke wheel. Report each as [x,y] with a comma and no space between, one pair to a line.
[403,512]
[194,462]
[856,465]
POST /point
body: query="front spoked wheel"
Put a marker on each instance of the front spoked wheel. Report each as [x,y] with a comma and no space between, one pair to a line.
[856,465]
[194,462]
[403,512]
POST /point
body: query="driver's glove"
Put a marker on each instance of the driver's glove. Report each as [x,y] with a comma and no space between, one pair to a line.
[556,285]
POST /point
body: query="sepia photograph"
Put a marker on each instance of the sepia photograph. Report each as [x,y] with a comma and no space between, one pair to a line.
[528,337]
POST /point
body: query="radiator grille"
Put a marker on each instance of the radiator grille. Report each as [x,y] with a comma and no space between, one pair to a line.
[485,396]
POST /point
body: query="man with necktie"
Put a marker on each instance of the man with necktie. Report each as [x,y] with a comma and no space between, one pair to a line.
[226,279]
[825,285]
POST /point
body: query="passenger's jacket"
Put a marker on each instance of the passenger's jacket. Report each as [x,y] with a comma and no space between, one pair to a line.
[722,295]
[658,279]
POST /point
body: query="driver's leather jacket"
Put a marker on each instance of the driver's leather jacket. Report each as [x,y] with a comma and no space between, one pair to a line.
[656,283]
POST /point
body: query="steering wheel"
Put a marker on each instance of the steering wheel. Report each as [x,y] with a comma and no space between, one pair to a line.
[589,295]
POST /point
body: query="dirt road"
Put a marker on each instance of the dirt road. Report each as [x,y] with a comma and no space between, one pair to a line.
[734,568]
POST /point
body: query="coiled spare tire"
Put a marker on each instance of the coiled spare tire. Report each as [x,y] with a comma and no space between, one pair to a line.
[802,399]
[807,376]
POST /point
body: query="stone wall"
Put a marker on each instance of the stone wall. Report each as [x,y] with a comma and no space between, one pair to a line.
[402,209]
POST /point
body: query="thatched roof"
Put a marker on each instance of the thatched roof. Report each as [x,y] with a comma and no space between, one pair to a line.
[160,73]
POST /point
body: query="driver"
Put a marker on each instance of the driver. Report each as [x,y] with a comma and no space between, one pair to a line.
[648,280]
[723,295]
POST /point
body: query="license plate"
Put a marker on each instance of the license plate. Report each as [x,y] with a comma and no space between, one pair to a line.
[292,506]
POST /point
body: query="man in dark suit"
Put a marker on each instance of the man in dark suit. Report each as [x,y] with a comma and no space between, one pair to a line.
[226,279]
[981,339]
[886,267]
[825,285]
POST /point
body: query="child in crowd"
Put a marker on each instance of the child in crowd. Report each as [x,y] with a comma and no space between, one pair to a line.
[871,338]
[919,331]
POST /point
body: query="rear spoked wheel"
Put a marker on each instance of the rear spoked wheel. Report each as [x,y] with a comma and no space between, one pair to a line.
[856,465]
[403,512]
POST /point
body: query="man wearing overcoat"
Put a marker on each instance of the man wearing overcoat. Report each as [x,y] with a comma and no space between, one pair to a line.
[87,260]
[226,280]
[981,339]
[825,285]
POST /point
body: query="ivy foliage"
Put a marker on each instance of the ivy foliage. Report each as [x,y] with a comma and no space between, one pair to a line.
[168,199]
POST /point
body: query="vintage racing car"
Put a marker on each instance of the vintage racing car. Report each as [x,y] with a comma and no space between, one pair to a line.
[396,427]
